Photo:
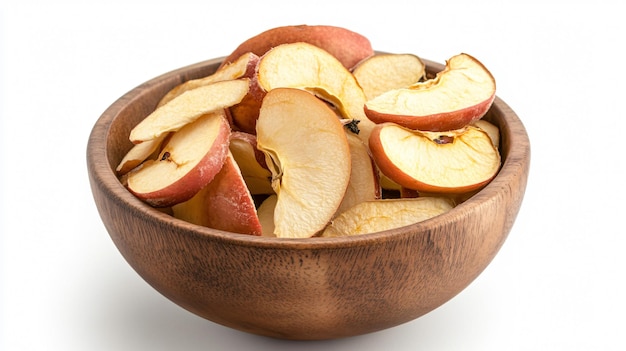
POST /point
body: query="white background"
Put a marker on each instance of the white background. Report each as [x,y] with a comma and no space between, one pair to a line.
[557,283]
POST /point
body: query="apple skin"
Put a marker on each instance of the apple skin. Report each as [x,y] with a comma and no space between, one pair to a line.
[347,46]
[185,187]
[242,67]
[189,106]
[380,149]
[245,114]
[435,122]
[437,104]
[406,193]
[224,204]
[251,140]
[251,162]
[139,153]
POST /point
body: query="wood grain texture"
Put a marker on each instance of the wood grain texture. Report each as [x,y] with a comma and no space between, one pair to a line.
[318,288]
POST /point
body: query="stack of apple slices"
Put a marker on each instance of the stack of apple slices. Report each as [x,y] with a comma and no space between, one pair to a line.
[296,138]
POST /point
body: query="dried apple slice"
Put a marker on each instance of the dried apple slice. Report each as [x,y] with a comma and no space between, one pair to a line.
[451,162]
[364,182]
[243,67]
[187,163]
[347,46]
[380,73]
[246,112]
[378,215]
[266,215]
[308,154]
[189,106]
[490,129]
[305,66]
[139,153]
[251,161]
[457,96]
[224,204]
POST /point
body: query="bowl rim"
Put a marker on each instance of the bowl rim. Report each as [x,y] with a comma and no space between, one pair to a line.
[102,175]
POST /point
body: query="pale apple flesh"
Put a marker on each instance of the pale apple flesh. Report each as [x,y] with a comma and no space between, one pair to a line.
[242,67]
[375,216]
[364,182]
[492,130]
[305,66]
[187,163]
[224,204]
[452,162]
[189,106]
[308,154]
[252,163]
[266,215]
[380,73]
[458,95]
[139,153]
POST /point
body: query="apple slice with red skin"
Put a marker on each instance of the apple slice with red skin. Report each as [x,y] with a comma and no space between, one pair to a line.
[383,72]
[242,67]
[139,153]
[251,161]
[347,46]
[378,215]
[452,162]
[186,164]
[460,94]
[246,112]
[224,204]
[308,154]
[307,67]
[243,114]
[189,106]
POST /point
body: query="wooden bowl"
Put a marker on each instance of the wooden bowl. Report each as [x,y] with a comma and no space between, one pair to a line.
[317,288]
